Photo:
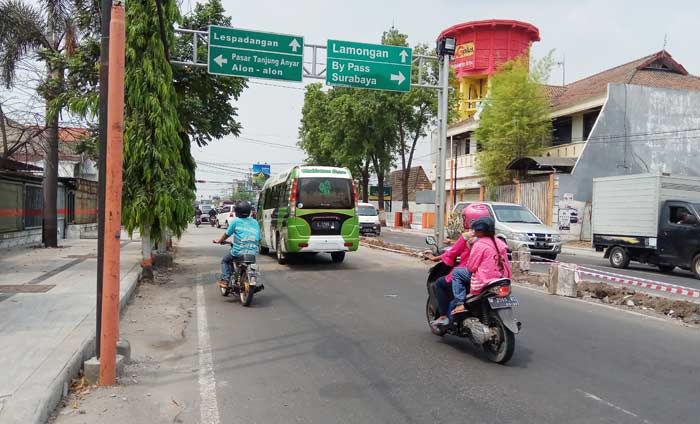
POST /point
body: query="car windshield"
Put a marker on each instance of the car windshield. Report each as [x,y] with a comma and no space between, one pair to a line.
[205,208]
[366,211]
[514,214]
[325,193]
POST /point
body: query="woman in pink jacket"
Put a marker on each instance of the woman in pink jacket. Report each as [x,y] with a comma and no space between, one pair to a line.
[488,261]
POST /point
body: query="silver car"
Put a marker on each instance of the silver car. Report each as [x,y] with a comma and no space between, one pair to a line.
[519,227]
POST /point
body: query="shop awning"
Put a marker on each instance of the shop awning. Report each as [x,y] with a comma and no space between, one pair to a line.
[542,163]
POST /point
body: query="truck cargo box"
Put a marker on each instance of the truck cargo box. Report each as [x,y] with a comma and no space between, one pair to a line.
[629,205]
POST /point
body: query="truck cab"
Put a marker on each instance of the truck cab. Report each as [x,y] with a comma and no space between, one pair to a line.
[677,242]
[679,235]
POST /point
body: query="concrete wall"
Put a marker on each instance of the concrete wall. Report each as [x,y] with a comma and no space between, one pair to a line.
[20,238]
[78,231]
[654,120]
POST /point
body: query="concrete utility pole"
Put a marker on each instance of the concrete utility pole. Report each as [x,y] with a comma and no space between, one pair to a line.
[113,197]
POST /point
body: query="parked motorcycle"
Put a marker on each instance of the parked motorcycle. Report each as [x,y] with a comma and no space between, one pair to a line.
[244,281]
[489,320]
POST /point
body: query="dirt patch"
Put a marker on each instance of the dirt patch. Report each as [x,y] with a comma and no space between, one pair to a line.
[688,312]
[579,244]
[373,242]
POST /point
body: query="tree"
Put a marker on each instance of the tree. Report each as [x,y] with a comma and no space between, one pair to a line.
[204,101]
[50,32]
[158,192]
[515,119]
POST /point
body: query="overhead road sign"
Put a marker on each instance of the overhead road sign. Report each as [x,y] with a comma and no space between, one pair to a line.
[371,66]
[255,54]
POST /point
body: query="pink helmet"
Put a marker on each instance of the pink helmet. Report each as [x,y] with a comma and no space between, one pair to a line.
[472,212]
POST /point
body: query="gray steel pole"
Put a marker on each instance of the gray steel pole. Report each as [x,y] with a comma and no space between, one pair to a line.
[442,147]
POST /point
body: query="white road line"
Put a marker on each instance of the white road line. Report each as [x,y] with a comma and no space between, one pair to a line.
[612,405]
[208,406]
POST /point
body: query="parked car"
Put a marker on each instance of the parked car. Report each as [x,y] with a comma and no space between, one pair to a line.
[368,217]
[225,213]
[519,227]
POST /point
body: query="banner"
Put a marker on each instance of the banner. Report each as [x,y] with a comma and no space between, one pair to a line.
[261,172]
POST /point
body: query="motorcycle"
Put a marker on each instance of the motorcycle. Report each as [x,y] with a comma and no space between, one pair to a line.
[244,281]
[197,221]
[489,320]
[212,221]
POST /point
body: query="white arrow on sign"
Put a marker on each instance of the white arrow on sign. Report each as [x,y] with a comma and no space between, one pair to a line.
[294,45]
[220,60]
[400,78]
[403,55]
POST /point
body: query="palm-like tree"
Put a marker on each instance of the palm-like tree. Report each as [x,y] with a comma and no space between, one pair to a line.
[48,33]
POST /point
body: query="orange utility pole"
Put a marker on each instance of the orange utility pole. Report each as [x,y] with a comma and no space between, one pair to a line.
[113,197]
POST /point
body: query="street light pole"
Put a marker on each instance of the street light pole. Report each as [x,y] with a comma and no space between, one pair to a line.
[442,147]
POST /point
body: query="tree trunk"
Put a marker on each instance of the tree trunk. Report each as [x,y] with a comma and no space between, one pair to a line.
[146,255]
[3,133]
[405,214]
[50,185]
[365,182]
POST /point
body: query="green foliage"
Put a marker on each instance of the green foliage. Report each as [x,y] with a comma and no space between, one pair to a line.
[515,119]
[242,195]
[204,101]
[158,188]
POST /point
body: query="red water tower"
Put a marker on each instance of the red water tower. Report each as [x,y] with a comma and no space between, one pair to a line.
[481,47]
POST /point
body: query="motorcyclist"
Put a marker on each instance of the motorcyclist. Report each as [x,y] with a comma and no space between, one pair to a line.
[246,237]
[212,214]
[461,248]
[488,261]
[197,212]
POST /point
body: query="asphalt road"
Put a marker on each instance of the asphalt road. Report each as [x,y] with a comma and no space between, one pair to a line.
[636,270]
[349,343]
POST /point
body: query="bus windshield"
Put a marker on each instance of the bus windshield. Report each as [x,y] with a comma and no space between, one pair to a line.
[325,193]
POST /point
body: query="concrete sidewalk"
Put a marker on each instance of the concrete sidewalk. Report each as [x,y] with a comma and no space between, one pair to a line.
[47,321]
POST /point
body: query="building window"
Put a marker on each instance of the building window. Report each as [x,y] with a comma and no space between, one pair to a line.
[589,119]
[561,130]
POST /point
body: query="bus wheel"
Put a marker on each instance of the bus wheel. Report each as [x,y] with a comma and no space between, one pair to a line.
[338,257]
[281,256]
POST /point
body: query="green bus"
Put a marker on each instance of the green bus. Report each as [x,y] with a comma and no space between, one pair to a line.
[309,209]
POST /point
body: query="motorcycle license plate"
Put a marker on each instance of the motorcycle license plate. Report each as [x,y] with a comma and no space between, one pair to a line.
[503,302]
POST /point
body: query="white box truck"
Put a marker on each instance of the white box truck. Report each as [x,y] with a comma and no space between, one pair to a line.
[648,218]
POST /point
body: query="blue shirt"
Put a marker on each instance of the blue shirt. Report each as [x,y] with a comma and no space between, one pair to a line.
[246,236]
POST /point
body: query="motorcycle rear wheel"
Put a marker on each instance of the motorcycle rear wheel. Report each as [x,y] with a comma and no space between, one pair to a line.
[501,350]
[247,291]
[431,314]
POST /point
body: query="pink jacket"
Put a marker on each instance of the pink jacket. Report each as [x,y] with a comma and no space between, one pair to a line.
[461,249]
[483,263]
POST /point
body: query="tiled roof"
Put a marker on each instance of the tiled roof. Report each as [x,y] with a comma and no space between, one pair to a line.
[656,70]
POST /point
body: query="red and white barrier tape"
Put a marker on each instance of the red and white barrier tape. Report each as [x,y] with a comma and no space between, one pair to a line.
[646,284]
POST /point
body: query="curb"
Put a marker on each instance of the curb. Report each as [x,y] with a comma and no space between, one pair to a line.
[573,251]
[53,375]
[372,246]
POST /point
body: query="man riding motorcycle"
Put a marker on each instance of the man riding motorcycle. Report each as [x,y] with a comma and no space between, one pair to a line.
[246,236]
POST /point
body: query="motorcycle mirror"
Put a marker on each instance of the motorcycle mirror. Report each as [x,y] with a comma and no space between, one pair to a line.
[430,241]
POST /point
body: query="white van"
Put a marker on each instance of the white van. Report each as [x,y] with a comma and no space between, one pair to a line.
[368,216]
[518,226]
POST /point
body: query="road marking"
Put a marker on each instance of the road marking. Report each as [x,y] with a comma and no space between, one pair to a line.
[208,406]
[611,405]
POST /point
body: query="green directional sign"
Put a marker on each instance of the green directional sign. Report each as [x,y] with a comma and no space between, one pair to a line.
[373,66]
[243,53]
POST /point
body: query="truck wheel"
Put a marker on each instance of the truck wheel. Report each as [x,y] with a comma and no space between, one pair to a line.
[619,257]
[696,266]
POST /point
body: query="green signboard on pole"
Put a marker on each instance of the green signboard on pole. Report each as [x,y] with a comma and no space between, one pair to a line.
[372,66]
[244,53]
